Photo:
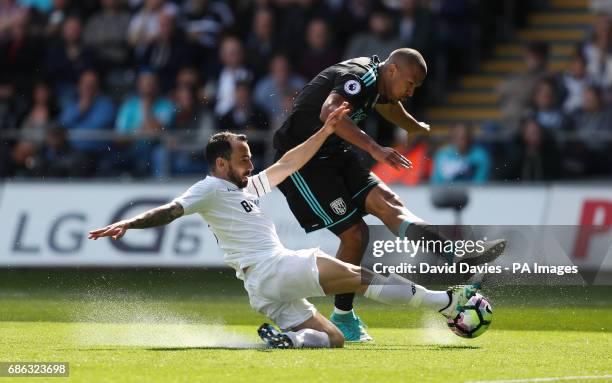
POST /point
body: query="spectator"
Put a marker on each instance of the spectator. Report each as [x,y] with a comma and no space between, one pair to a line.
[598,52]
[456,34]
[106,32]
[16,155]
[546,107]
[56,18]
[593,124]
[261,44]
[144,26]
[188,77]
[20,56]
[192,117]
[192,125]
[147,111]
[232,57]
[56,158]
[416,28]
[145,116]
[319,52]
[204,21]
[18,159]
[353,16]
[516,91]
[380,40]
[41,115]
[574,81]
[92,113]
[271,90]
[536,155]
[166,53]
[247,116]
[463,160]
[66,61]
[10,11]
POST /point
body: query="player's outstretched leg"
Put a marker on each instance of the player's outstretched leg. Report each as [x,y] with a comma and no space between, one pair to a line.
[386,205]
[398,290]
[338,277]
[353,242]
[491,249]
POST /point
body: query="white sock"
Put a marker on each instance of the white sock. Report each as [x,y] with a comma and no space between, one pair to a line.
[341,312]
[309,338]
[398,290]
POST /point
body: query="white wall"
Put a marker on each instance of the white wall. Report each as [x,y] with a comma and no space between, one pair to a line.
[46,224]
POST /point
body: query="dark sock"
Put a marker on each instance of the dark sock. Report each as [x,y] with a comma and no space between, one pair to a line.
[344,301]
[420,230]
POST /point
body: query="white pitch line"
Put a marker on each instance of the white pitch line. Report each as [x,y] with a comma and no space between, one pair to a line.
[529,380]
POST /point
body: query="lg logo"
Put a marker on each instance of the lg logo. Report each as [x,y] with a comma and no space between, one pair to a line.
[67,232]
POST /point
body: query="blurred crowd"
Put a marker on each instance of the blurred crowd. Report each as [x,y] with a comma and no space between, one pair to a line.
[560,123]
[105,88]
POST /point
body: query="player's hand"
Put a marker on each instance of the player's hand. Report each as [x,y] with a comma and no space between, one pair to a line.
[335,117]
[114,230]
[392,158]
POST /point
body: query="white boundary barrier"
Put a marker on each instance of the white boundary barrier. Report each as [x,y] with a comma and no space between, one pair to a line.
[46,224]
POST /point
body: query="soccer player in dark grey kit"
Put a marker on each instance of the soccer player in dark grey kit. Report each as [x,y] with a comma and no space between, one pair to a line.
[333,190]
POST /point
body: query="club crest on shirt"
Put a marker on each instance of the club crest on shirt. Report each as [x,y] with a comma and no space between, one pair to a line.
[338,206]
[352,87]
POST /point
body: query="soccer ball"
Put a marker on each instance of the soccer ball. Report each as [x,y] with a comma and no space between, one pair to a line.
[473,319]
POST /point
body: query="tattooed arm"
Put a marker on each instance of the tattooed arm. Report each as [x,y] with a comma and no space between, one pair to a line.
[159,216]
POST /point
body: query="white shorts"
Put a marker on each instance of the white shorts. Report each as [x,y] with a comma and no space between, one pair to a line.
[278,287]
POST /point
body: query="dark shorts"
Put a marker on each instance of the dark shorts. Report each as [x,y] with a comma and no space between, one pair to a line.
[329,191]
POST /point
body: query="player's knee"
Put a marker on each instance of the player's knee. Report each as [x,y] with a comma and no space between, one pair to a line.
[391,199]
[386,203]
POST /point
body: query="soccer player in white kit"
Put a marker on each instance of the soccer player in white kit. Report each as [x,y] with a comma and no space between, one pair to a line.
[279,280]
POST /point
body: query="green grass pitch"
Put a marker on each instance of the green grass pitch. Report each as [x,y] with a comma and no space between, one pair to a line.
[162,326]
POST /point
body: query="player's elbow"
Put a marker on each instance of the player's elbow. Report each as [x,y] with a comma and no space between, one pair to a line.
[329,106]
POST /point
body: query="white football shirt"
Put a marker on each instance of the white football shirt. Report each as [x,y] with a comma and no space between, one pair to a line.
[243,232]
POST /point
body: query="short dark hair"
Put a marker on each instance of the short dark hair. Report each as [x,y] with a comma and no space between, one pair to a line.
[408,56]
[220,145]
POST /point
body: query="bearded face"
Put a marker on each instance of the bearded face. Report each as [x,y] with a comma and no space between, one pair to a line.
[238,177]
[239,165]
